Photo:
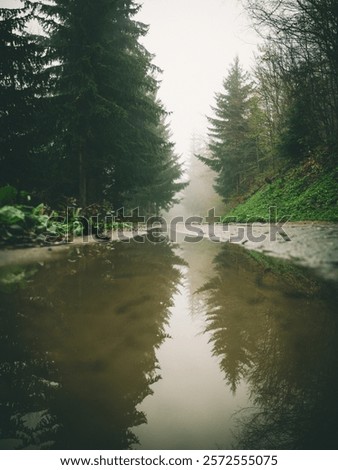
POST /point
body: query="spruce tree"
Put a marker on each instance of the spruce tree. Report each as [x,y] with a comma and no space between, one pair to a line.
[108,140]
[164,176]
[230,138]
[21,89]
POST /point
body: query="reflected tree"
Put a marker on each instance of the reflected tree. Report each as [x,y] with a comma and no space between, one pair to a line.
[108,307]
[234,334]
[274,326]
[28,377]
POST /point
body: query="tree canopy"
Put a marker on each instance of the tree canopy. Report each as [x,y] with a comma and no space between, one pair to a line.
[287,110]
[86,123]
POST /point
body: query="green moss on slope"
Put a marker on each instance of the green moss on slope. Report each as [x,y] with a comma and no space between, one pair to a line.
[308,192]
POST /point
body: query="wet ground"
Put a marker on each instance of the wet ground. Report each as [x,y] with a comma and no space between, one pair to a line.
[170,346]
[313,245]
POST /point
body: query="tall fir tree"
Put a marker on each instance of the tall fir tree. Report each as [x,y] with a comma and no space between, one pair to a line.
[231,143]
[164,177]
[107,131]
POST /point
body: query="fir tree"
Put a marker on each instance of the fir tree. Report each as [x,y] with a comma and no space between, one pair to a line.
[164,176]
[231,144]
[108,141]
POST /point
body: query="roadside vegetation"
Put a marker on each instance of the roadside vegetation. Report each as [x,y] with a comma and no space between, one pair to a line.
[273,133]
[25,224]
[307,192]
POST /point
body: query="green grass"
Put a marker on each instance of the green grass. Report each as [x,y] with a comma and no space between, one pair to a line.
[305,193]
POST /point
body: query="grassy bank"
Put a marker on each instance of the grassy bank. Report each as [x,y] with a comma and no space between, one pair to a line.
[304,193]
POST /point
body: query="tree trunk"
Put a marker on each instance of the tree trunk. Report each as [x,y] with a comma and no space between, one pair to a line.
[82,179]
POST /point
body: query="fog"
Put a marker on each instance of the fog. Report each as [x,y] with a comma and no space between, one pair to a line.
[199,197]
[194,42]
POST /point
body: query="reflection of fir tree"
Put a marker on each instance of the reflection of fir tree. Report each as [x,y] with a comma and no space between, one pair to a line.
[274,325]
[294,380]
[27,376]
[110,307]
[233,333]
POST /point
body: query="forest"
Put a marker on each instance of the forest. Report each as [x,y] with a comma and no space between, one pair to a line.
[193,337]
[80,122]
[81,125]
[273,133]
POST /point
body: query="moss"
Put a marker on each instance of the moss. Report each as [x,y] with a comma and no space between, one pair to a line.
[308,192]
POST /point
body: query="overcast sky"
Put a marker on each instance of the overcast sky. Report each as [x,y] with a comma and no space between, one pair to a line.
[195,42]
[10,3]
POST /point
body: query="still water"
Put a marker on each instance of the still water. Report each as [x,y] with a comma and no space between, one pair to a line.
[162,346]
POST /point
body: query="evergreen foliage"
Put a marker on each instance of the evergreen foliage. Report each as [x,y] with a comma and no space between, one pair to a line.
[86,89]
[232,141]
[288,114]
[21,89]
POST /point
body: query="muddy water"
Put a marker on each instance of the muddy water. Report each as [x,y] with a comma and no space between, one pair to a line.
[161,346]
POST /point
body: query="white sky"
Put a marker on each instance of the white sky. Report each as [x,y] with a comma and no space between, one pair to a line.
[195,42]
[9,3]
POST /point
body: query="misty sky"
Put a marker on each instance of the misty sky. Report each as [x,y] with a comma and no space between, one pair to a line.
[195,42]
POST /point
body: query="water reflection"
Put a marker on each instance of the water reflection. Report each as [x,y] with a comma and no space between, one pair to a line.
[78,345]
[26,374]
[82,336]
[274,326]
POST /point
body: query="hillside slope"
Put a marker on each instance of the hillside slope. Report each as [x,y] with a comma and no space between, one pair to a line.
[305,193]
